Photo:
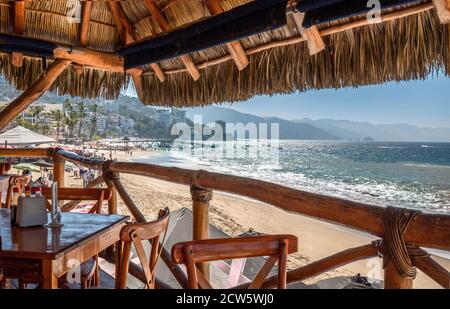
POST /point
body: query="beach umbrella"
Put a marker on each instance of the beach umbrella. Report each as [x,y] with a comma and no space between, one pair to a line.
[70,164]
[27,166]
[42,163]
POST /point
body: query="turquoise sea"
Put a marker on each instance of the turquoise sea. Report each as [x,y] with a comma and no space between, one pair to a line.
[415,175]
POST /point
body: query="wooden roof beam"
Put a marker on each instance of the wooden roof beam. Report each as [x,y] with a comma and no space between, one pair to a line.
[126,29]
[234,48]
[91,58]
[18,28]
[36,90]
[159,18]
[86,8]
[443,10]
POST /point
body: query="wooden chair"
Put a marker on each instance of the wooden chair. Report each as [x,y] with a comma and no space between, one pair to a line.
[4,167]
[134,234]
[14,182]
[76,195]
[90,270]
[276,247]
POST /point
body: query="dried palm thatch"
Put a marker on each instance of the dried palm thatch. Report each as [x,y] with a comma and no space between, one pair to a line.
[90,83]
[403,49]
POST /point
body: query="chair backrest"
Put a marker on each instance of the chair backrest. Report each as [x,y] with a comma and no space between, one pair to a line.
[76,195]
[134,234]
[4,167]
[276,247]
[14,182]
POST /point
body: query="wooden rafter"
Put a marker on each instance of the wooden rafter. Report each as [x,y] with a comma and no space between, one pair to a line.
[89,57]
[443,10]
[128,34]
[234,48]
[324,32]
[18,28]
[159,18]
[86,9]
[311,34]
[40,86]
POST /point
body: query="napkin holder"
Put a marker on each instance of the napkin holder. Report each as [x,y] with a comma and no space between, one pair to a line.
[31,211]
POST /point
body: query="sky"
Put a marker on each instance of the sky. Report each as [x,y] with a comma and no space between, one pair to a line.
[421,103]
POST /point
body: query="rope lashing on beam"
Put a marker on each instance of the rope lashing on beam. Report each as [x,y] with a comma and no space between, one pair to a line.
[107,175]
[393,246]
[198,192]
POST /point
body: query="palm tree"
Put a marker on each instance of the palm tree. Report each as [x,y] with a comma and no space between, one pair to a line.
[36,112]
[81,117]
[71,117]
[58,117]
[21,121]
[94,110]
[45,129]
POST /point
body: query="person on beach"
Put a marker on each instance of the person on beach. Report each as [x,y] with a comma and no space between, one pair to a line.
[85,177]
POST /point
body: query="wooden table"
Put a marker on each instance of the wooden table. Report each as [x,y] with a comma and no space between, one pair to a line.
[40,254]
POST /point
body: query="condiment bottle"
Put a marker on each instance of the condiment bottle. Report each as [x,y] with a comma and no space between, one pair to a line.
[38,192]
[27,191]
[14,203]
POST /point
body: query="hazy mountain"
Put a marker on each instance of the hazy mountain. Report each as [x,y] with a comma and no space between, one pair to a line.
[353,130]
[288,129]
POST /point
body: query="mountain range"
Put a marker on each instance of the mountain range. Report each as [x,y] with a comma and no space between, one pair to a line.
[328,129]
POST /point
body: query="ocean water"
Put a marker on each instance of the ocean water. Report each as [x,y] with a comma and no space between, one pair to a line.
[413,175]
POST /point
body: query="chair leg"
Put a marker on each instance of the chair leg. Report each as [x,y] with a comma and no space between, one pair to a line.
[84,284]
[22,285]
[2,280]
[97,272]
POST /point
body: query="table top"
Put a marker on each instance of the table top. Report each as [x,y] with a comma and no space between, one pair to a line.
[50,243]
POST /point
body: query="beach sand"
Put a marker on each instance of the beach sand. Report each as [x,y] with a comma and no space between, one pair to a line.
[235,215]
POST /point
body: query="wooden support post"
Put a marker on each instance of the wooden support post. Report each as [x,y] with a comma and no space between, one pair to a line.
[200,213]
[86,8]
[58,175]
[126,30]
[159,18]
[112,202]
[111,252]
[58,171]
[33,93]
[234,48]
[393,279]
[18,28]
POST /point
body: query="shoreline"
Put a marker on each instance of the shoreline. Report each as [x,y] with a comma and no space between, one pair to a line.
[234,215]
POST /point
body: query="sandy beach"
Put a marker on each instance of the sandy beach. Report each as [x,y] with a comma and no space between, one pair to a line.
[235,215]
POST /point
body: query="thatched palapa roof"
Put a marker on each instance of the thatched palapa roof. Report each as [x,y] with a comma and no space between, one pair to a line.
[410,43]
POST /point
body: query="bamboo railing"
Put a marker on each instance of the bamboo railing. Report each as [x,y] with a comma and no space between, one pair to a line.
[425,229]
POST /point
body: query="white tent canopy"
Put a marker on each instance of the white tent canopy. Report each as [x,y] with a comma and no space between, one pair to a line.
[21,136]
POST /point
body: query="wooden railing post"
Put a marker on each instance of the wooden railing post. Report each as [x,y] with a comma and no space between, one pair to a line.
[111,252]
[112,202]
[58,171]
[107,178]
[200,214]
[393,279]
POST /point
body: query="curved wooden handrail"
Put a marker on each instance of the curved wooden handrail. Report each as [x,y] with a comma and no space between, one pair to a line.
[428,230]
[363,217]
